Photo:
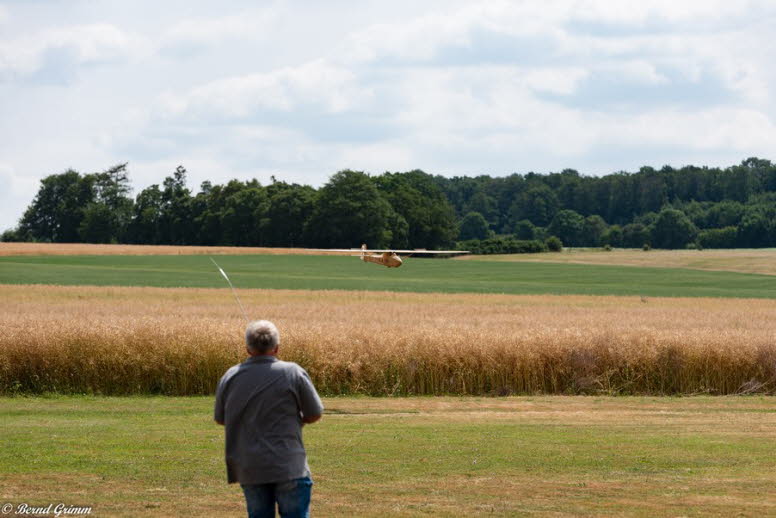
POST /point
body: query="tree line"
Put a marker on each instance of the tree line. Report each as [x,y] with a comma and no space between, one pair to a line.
[662,208]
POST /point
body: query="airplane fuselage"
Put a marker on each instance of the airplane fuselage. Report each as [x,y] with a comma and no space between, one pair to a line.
[387,259]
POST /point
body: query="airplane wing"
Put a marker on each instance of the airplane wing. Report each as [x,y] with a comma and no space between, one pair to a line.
[375,251]
[421,251]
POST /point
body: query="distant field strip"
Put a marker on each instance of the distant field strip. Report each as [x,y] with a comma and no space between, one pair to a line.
[348,273]
[756,260]
[759,260]
[16,249]
[399,457]
[123,340]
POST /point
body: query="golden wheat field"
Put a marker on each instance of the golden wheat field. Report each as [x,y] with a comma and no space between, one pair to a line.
[125,340]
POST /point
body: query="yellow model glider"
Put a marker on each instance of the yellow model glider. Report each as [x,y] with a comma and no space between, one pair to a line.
[388,258]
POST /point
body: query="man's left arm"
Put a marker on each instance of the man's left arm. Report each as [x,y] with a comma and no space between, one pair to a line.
[312,407]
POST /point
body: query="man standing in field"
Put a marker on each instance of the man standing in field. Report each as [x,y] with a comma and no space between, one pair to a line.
[263,403]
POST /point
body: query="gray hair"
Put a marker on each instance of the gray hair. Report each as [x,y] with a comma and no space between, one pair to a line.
[262,336]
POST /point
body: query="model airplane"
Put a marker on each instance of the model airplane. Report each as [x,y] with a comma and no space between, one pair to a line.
[388,258]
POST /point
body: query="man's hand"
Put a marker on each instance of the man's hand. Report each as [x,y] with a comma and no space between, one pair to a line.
[310,419]
[219,422]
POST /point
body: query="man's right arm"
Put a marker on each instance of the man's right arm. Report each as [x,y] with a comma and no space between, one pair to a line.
[218,411]
[311,419]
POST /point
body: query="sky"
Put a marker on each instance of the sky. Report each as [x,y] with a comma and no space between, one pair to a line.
[303,89]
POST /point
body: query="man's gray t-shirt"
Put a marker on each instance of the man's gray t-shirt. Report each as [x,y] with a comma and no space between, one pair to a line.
[261,403]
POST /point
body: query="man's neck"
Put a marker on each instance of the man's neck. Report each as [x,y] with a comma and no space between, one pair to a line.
[263,356]
[273,352]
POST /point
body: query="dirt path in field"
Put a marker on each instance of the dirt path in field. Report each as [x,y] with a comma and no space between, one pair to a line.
[755,416]
[761,261]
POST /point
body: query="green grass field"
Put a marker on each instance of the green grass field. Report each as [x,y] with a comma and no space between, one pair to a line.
[418,275]
[432,456]
[546,456]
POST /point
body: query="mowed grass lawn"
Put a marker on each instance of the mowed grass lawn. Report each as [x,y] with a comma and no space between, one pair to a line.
[695,456]
[417,275]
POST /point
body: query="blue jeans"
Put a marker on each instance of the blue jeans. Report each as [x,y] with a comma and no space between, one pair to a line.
[292,497]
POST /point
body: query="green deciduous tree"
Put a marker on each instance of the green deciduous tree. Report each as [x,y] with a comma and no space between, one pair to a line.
[421,204]
[724,214]
[484,204]
[474,226]
[754,230]
[98,225]
[569,226]
[524,229]
[145,226]
[718,237]
[538,204]
[290,206]
[554,244]
[350,210]
[58,208]
[242,215]
[11,236]
[593,230]
[672,229]
[107,218]
[613,236]
[175,223]
[635,235]
[411,209]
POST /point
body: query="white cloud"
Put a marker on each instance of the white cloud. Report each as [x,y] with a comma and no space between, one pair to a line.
[377,157]
[451,87]
[416,40]
[70,48]
[557,80]
[316,84]
[389,73]
[197,34]
[665,10]
[740,130]
[18,191]
[641,71]
[422,38]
